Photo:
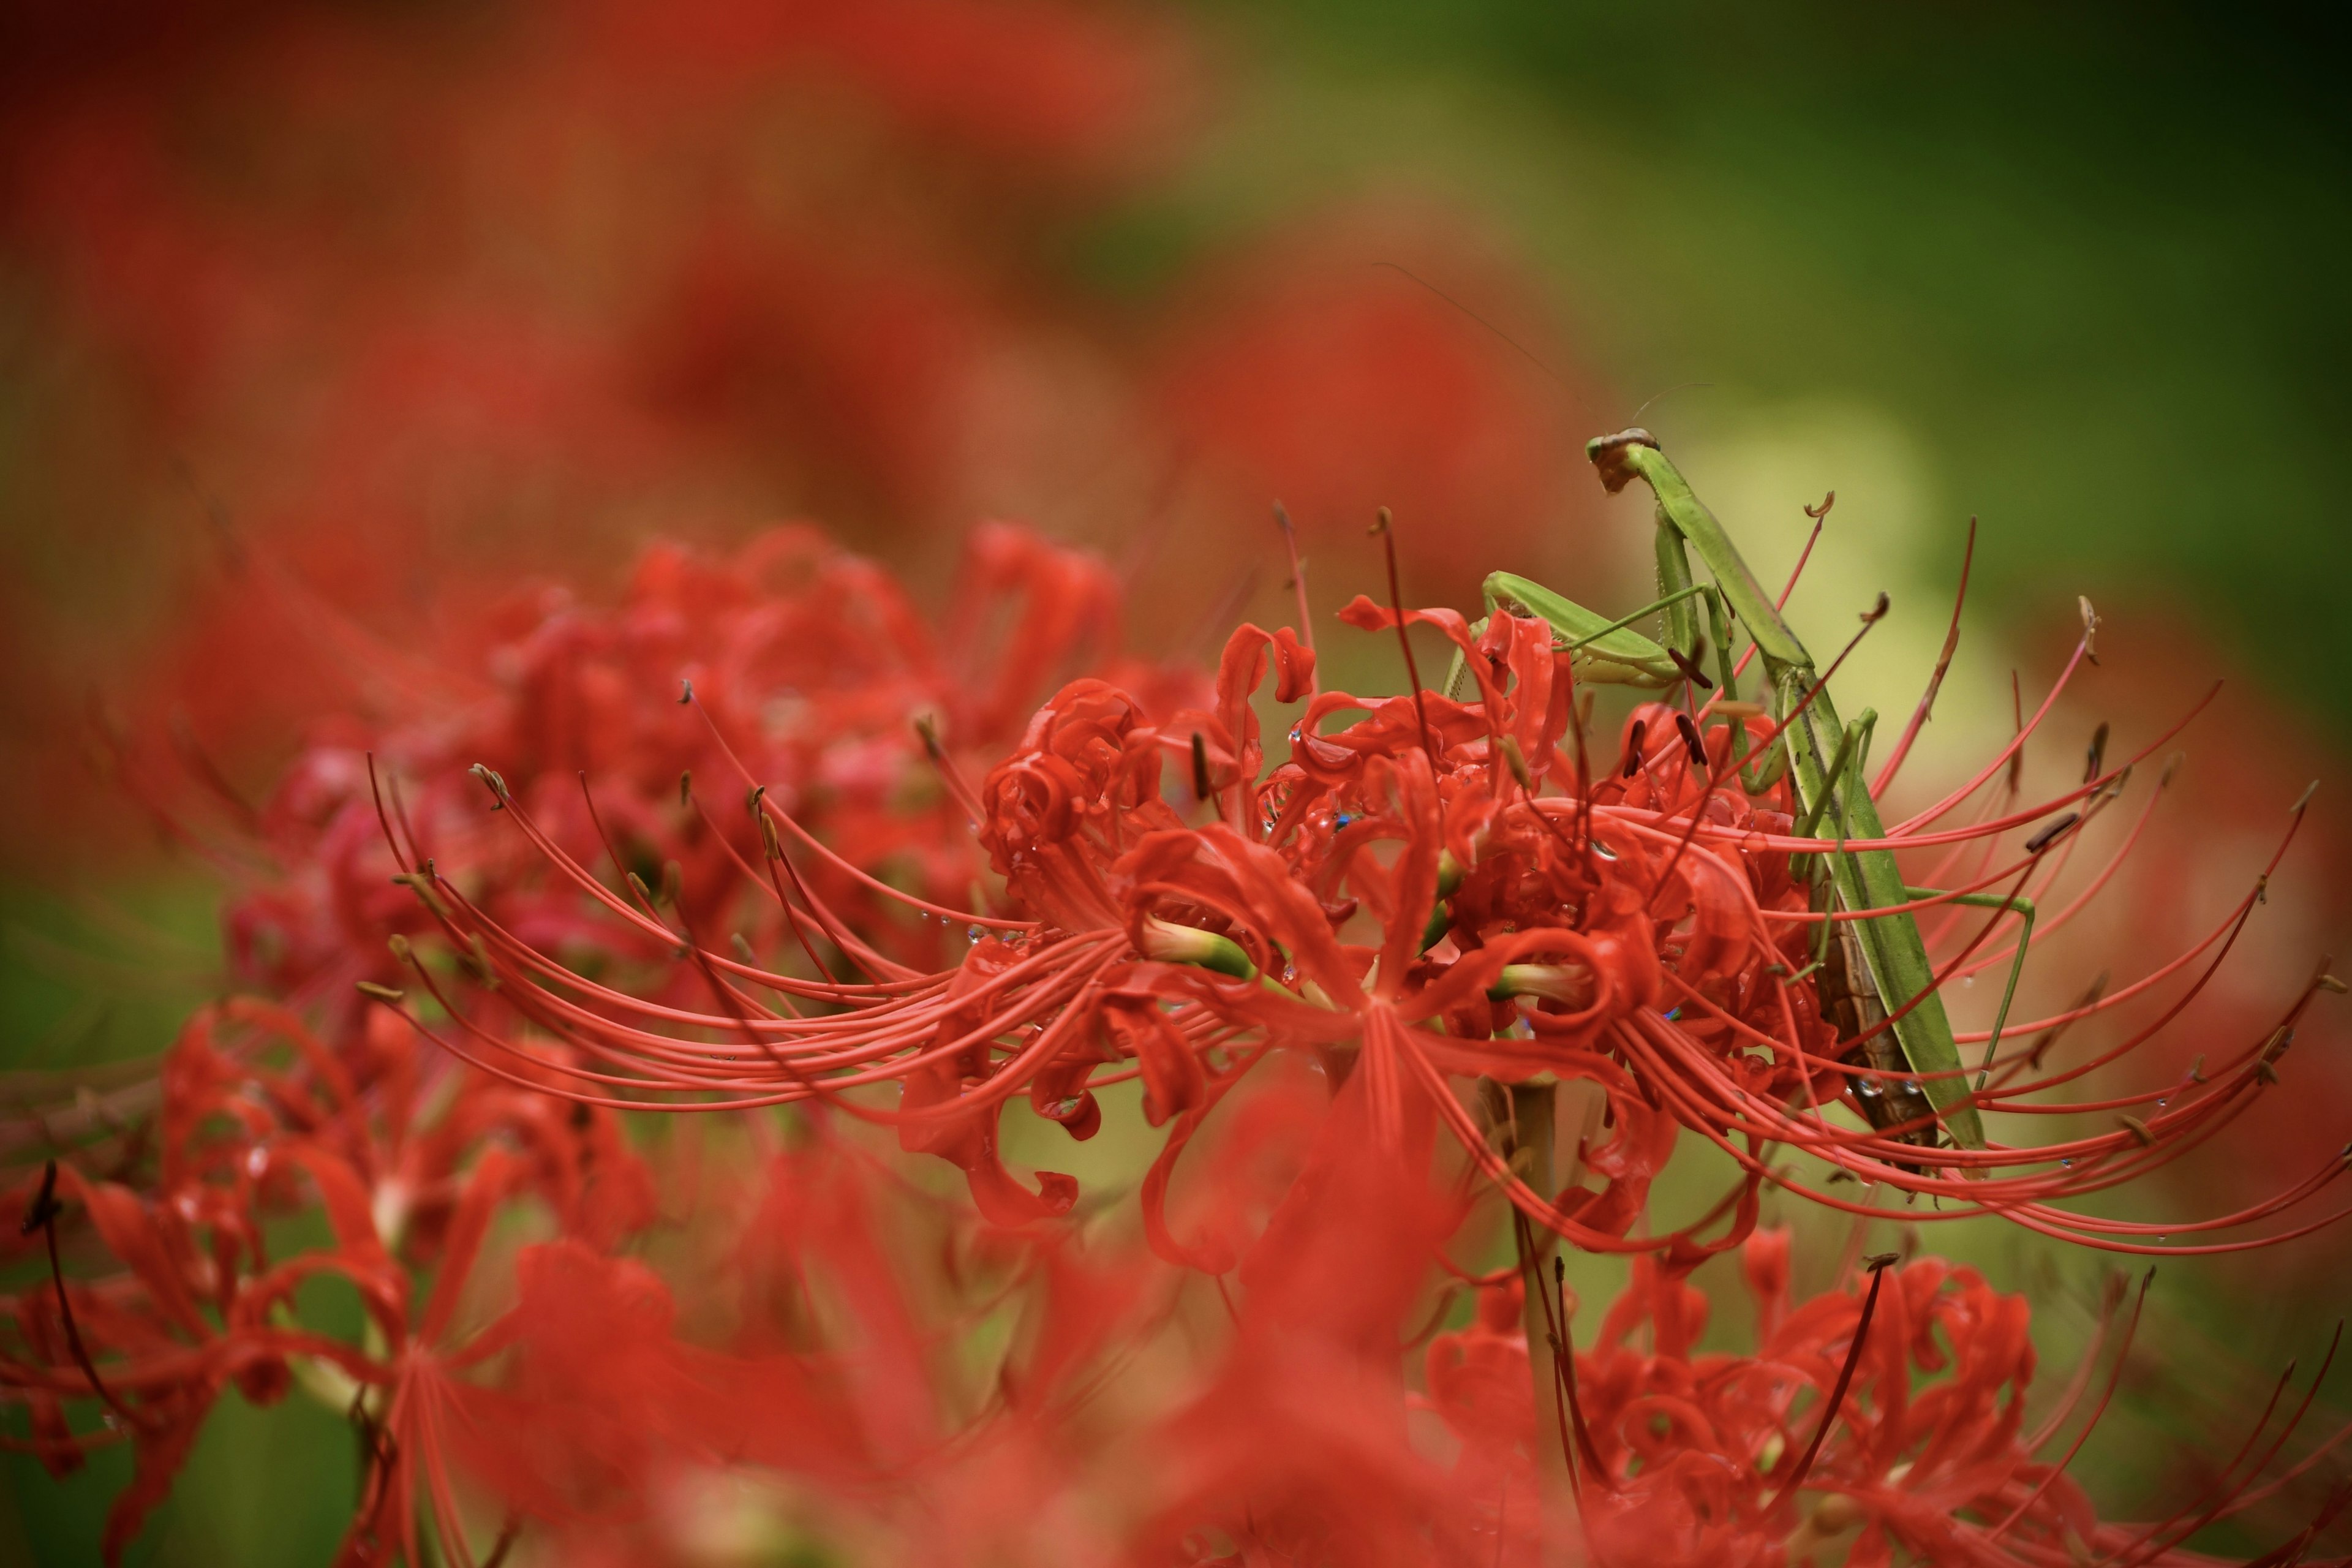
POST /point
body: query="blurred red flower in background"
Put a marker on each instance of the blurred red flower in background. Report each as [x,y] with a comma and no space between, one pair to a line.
[420,305]
[1326,370]
[2242,766]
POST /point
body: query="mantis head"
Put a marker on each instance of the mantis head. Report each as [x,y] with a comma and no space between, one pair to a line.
[1606,453]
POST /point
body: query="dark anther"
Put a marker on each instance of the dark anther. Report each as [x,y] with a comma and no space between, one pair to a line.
[1877,612]
[2097,756]
[44,1206]
[1633,747]
[2048,835]
[1822,510]
[1691,743]
[2017,753]
[685,692]
[1691,672]
[1200,790]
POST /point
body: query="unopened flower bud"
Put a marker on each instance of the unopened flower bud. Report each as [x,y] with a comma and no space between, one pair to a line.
[1570,984]
[1171,943]
[1517,760]
[1450,873]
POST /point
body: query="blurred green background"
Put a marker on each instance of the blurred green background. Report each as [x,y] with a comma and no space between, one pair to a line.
[2086,257]
[2074,270]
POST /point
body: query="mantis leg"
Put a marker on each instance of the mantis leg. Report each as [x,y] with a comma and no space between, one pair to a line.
[1613,652]
[1675,575]
[2022,907]
[1727,680]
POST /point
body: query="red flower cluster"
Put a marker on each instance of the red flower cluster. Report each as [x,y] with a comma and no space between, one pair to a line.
[406,1160]
[1432,913]
[1689,1458]
[1645,934]
[830,677]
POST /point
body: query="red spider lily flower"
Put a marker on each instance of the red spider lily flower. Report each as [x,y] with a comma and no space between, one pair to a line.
[815,660]
[2219,809]
[1478,1385]
[1645,934]
[1136,906]
[1899,1406]
[1298,1448]
[407,1158]
[1341,387]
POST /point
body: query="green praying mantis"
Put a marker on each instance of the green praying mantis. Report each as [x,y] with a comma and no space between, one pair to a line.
[1873,967]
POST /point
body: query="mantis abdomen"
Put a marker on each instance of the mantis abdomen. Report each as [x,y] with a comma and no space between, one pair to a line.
[1851,1002]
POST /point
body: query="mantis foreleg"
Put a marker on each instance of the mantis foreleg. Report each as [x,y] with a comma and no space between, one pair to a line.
[1612,651]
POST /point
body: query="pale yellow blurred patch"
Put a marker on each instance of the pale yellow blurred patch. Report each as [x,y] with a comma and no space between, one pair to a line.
[1891,530]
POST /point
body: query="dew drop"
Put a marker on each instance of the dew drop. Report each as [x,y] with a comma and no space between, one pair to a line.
[2162,1103]
[2068,1164]
[972,933]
